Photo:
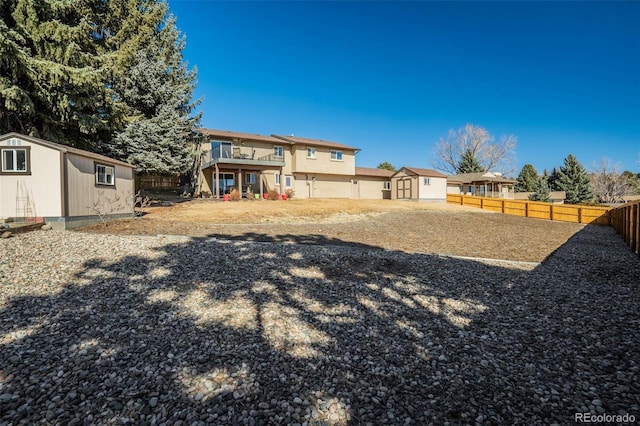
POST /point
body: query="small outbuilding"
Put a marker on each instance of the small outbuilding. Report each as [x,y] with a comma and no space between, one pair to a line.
[411,183]
[63,186]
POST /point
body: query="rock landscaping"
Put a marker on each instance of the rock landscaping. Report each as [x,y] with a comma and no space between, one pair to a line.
[125,329]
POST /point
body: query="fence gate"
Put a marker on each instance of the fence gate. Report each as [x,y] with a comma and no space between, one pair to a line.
[404,189]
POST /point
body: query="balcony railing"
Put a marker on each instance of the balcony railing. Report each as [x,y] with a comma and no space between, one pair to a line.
[239,155]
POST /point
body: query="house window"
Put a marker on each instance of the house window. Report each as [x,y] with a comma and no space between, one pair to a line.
[278,151]
[277,179]
[287,181]
[471,189]
[336,155]
[105,175]
[250,178]
[427,181]
[311,153]
[15,160]
[387,185]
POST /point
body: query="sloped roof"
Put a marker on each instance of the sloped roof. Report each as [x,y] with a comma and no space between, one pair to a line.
[314,142]
[227,134]
[422,172]
[64,148]
[478,177]
[367,171]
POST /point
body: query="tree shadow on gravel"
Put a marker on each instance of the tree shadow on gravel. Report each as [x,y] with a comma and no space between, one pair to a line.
[325,332]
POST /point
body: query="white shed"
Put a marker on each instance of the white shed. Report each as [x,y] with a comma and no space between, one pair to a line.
[63,186]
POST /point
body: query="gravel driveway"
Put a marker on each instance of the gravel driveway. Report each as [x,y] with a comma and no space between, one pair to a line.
[112,329]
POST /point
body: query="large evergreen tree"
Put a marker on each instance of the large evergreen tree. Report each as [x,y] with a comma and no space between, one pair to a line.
[572,178]
[468,163]
[527,179]
[74,72]
[157,90]
[541,191]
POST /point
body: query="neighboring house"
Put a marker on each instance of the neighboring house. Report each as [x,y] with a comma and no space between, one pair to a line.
[411,183]
[482,184]
[557,197]
[312,168]
[372,183]
[63,186]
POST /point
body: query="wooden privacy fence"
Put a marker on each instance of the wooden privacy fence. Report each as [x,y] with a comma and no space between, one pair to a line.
[626,221]
[538,210]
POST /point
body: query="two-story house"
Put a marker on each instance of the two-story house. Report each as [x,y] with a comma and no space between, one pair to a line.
[312,168]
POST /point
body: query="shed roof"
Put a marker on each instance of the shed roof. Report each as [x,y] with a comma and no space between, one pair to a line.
[64,148]
[422,172]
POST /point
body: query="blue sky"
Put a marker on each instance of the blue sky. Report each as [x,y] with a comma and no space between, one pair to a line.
[391,78]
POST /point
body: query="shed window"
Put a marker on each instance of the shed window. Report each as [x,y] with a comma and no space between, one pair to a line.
[427,181]
[15,160]
[105,175]
[387,184]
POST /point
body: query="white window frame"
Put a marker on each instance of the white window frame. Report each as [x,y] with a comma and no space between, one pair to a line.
[386,184]
[288,181]
[336,155]
[106,181]
[311,152]
[277,175]
[14,160]
[427,181]
[278,151]
[250,178]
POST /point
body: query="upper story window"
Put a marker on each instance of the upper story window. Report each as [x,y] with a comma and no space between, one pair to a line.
[336,155]
[278,151]
[427,181]
[105,175]
[311,152]
[15,160]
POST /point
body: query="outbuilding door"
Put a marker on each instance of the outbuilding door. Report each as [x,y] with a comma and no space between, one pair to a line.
[403,190]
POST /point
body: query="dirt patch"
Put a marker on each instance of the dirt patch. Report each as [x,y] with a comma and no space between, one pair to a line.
[440,228]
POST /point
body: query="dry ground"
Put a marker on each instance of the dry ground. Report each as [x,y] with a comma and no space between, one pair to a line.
[393,225]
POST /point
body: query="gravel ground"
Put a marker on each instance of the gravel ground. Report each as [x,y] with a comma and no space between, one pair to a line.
[108,329]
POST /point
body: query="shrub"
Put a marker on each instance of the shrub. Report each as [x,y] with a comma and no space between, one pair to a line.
[235,195]
[273,194]
[290,193]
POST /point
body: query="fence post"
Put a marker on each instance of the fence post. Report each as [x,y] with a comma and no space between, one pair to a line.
[502,206]
[550,211]
[526,209]
[462,200]
[579,214]
[482,203]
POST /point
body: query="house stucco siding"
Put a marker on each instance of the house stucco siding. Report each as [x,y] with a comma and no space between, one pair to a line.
[322,163]
[39,192]
[371,188]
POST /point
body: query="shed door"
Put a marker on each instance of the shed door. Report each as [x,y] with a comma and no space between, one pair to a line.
[404,188]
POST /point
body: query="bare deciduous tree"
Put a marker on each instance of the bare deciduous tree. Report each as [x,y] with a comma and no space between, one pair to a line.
[493,155]
[609,185]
